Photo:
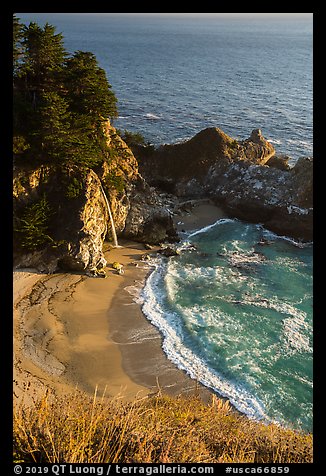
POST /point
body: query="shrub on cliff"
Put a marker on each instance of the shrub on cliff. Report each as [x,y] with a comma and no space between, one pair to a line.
[161,429]
[32,226]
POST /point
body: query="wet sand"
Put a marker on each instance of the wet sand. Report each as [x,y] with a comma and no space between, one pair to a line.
[140,342]
[72,330]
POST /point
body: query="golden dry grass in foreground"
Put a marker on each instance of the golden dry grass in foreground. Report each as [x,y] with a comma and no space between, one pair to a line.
[160,429]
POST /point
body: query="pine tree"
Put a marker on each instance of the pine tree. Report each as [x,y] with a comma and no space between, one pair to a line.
[44,56]
[51,128]
[60,103]
[17,46]
[89,90]
[39,58]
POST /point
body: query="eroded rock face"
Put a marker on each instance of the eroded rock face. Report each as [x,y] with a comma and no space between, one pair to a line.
[244,177]
[149,219]
[118,175]
[193,159]
[281,200]
[280,162]
[79,220]
[257,149]
[77,224]
[211,164]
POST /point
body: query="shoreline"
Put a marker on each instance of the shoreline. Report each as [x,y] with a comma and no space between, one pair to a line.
[74,331]
[140,342]
[61,330]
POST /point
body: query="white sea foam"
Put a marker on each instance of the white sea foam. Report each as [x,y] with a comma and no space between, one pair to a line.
[294,337]
[301,143]
[186,359]
[245,259]
[183,326]
[209,227]
[152,117]
[275,141]
[135,291]
[270,235]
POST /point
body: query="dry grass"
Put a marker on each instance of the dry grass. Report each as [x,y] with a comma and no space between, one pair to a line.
[161,429]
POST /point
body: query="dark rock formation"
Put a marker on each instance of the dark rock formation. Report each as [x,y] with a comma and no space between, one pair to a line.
[210,165]
[149,219]
[233,174]
[280,162]
[191,160]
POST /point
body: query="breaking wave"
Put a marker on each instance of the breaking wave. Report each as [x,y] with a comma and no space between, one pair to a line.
[234,316]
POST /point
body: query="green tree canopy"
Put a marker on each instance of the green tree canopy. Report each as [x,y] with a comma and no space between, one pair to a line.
[89,91]
[60,102]
[44,56]
[17,47]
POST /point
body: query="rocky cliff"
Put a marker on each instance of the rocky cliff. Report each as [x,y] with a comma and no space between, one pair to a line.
[61,216]
[245,177]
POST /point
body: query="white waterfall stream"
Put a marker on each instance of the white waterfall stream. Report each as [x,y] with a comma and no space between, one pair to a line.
[114,233]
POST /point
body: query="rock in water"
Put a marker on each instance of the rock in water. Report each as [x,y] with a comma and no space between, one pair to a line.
[234,175]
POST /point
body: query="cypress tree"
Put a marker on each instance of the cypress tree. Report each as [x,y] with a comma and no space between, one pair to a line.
[89,91]
[60,103]
[44,55]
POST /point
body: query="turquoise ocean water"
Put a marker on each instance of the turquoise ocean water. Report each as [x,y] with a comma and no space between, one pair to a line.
[235,310]
[235,313]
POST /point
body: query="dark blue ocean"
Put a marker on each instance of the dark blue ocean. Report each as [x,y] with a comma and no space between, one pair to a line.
[175,76]
[235,308]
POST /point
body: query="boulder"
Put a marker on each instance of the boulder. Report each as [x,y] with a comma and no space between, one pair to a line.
[280,162]
[149,219]
[169,251]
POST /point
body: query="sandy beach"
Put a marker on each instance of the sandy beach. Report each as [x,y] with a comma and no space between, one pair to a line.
[74,331]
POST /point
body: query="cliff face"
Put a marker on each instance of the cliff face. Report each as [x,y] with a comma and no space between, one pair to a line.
[63,210]
[76,220]
[236,175]
[192,159]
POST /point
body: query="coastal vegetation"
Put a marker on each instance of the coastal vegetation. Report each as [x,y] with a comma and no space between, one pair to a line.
[33,225]
[61,105]
[64,152]
[77,428]
[60,101]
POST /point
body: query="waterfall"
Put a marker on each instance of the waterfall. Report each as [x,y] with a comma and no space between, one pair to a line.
[114,233]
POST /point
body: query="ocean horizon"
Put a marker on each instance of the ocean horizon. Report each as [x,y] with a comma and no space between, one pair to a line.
[176,75]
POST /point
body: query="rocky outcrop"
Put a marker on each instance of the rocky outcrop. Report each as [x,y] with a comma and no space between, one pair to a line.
[281,200]
[77,222]
[78,218]
[238,175]
[118,174]
[150,216]
[192,159]
[256,149]
[139,212]
[280,162]
[241,176]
